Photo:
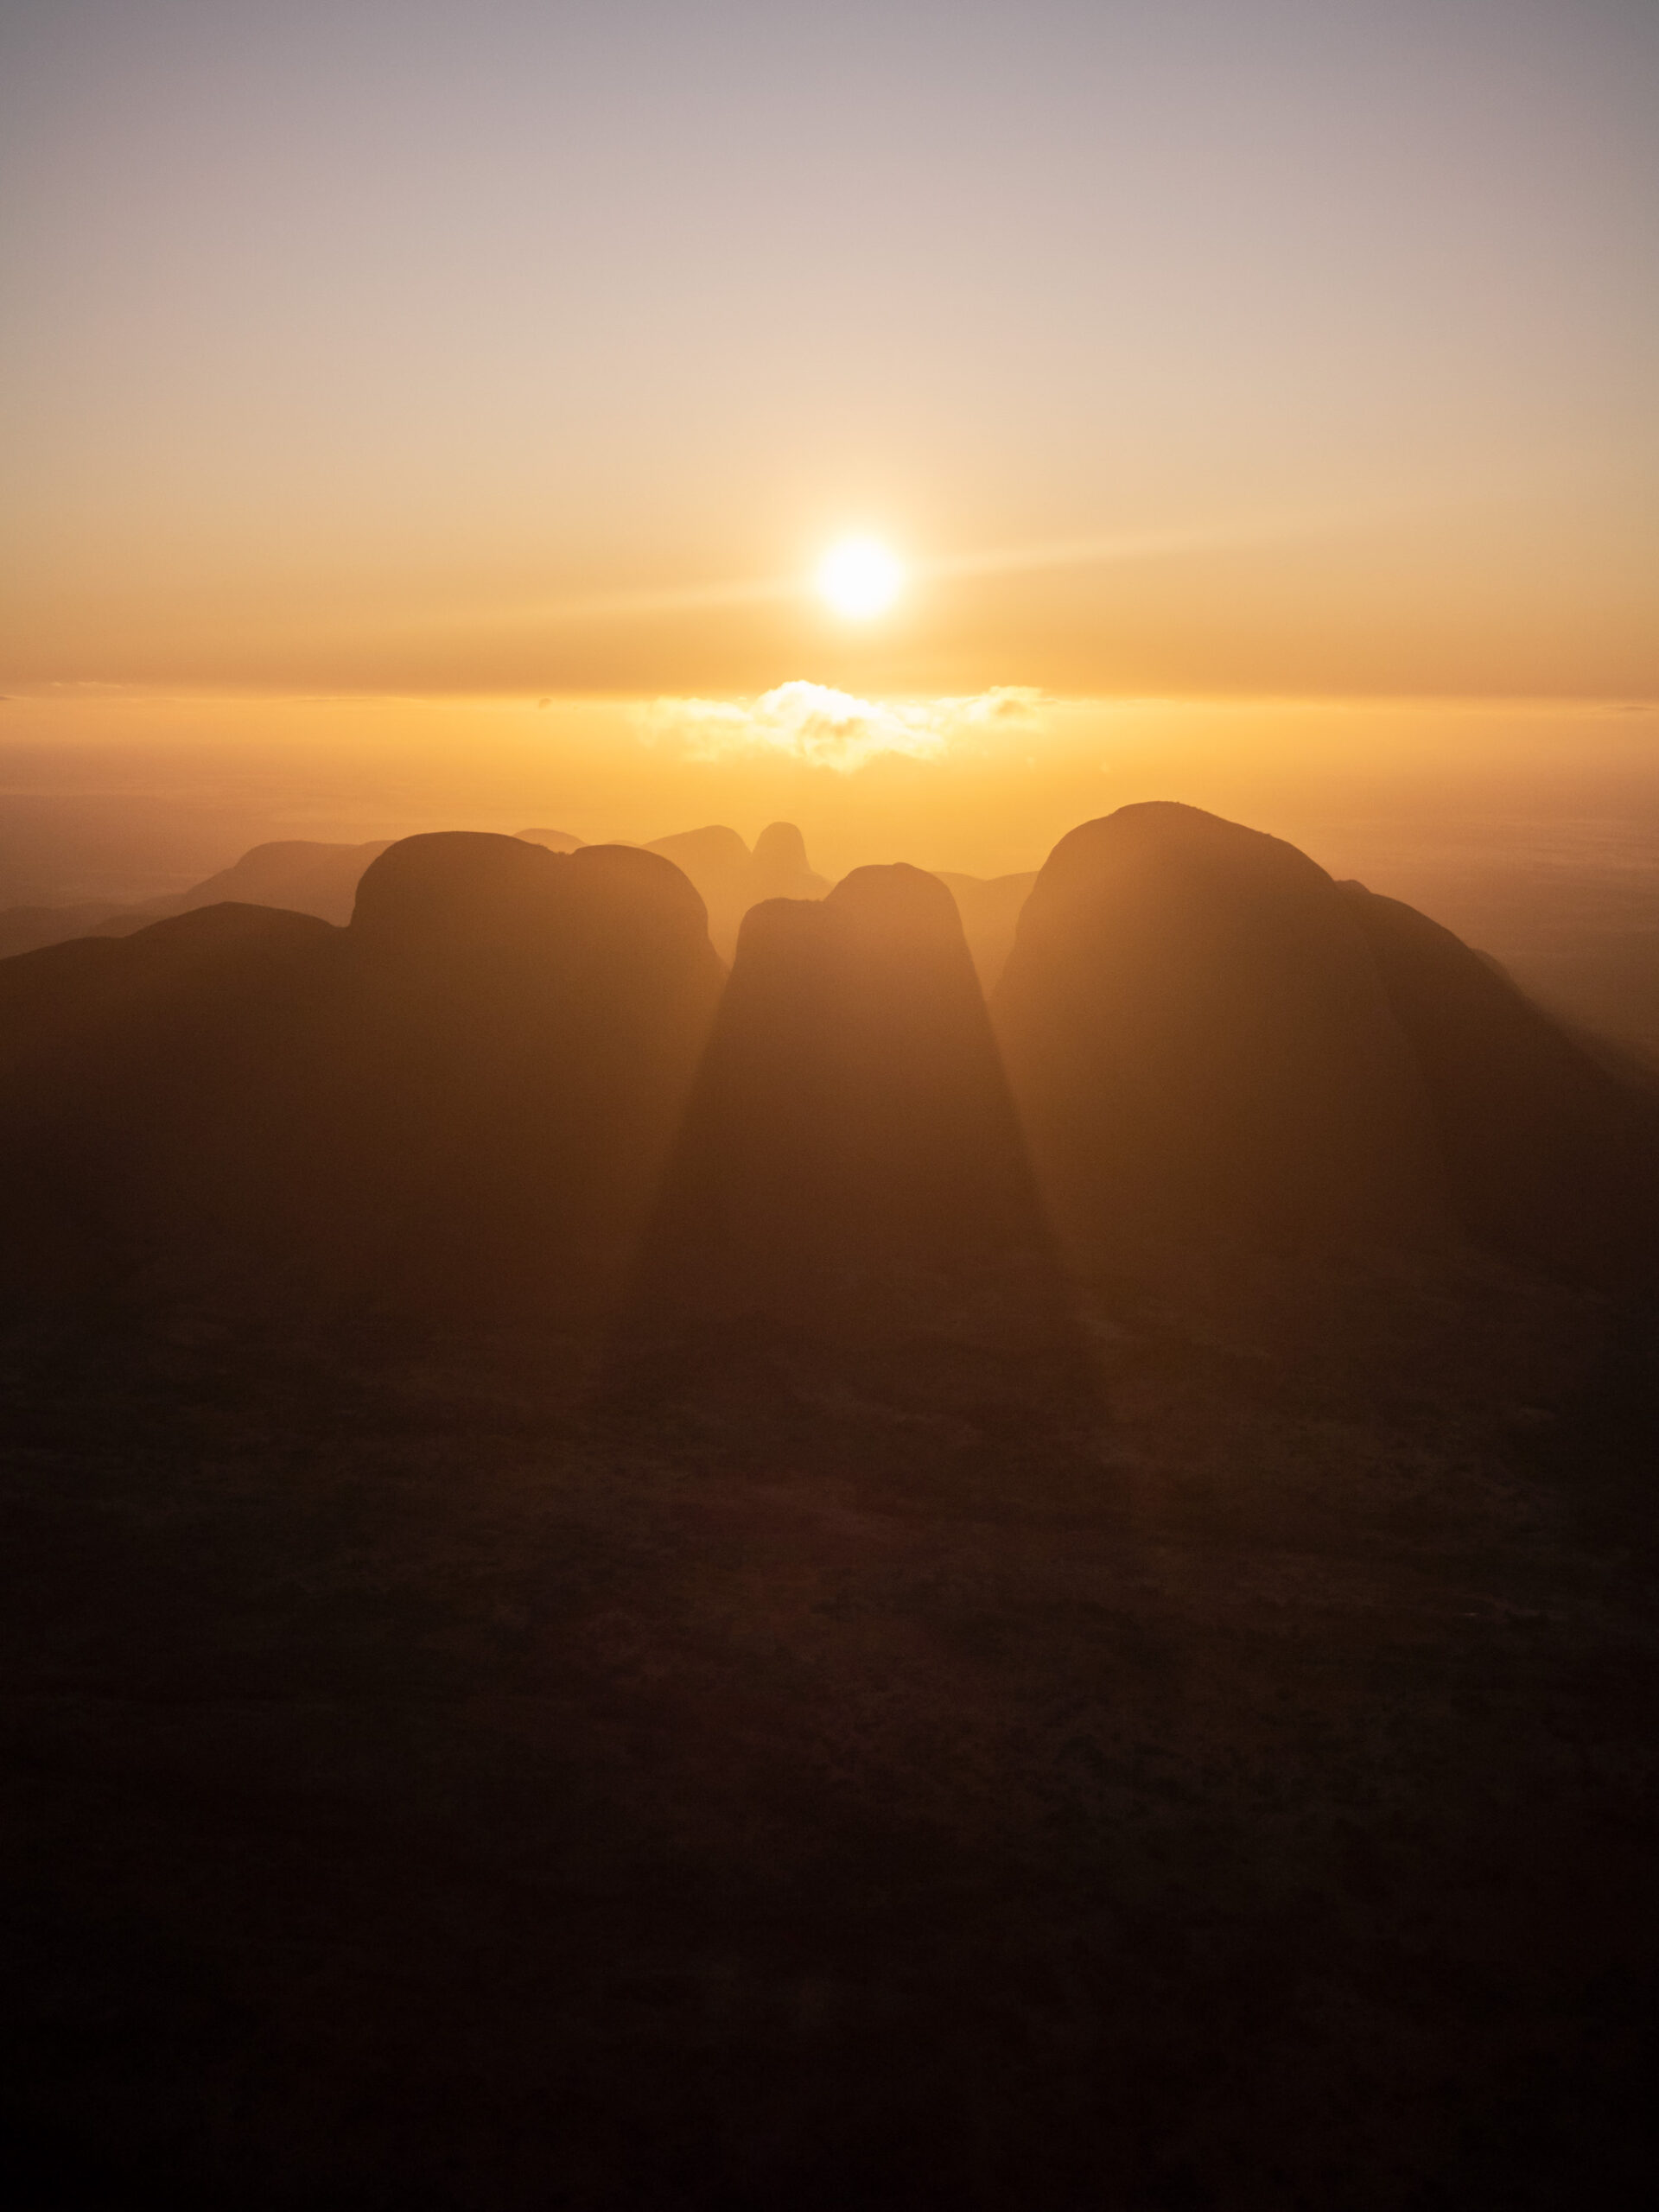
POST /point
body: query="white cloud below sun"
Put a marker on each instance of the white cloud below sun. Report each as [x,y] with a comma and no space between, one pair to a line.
[834,730]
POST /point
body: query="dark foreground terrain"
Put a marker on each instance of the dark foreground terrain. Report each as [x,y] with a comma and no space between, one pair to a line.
[431,1785]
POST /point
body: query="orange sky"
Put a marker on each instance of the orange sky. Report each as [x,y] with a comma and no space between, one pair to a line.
[441,359]
[986,782]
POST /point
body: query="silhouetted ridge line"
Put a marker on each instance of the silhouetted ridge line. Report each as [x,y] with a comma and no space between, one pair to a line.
[147,1090]
[1217,1050]
[321,879]
[851,1170]
[732,879]
[469,1097]
[463,1100]
[1550,1152]
[1203,1050]
[298,874]
[851,1108]
[780,851]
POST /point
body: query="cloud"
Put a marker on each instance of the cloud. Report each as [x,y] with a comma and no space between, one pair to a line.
[833,729]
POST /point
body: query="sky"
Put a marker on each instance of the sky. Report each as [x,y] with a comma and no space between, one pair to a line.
[431,361]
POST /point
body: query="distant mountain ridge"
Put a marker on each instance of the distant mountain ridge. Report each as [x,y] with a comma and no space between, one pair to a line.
[307,877]
[298,874]
[1206,1052]
[465,1096]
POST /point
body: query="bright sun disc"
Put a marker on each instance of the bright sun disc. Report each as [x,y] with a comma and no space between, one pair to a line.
[859,578]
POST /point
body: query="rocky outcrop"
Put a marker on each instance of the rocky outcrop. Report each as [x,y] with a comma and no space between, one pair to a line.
[731,879]
[465,1099]
[1549,1153]
[528,1024]
[512,1082]
[1203,1052]
[150,1085]
[850,1159]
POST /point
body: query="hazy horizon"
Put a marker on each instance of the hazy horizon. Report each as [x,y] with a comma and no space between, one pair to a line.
[426,418]
[983,784]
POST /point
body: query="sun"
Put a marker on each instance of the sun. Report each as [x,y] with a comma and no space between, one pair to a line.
[859,578]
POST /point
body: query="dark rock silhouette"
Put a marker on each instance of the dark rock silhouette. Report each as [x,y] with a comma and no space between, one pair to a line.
[731,879]
[27,928]
[298,875]
[851,1168]
[1219,1052]
[780,851]
[851,1112]
[1203,1052]
[147,1089]
[469,1097]
[1550,1152]
[311,878]
[718,861]
[707,850]
[464,1098]
[523,1026]
[781,869]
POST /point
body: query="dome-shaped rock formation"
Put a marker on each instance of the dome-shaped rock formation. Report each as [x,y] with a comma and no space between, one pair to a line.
[730,879]
[851,1167]
[147,1087]
[780,868]
[518,1033]
[466,1097]
[1202,1051]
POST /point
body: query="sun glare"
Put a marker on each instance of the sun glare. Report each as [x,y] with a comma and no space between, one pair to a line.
[859,578]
